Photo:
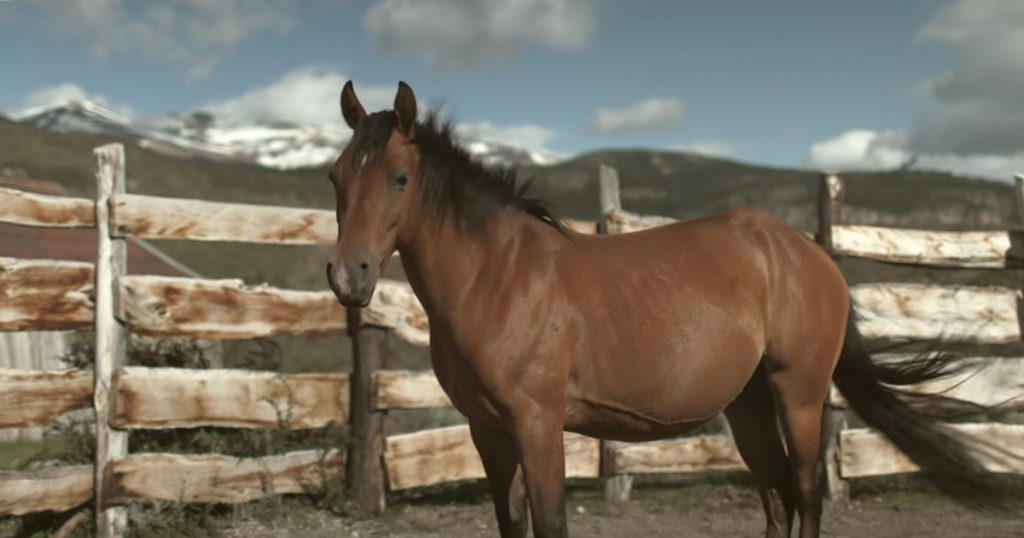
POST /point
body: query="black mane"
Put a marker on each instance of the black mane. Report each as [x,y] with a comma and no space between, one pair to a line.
[450,180]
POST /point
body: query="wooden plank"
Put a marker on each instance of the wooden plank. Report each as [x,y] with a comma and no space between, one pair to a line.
[30,209]
[407,389]
[223,309]
[991,249]
[687,455]
[867,453]
[581,226]
[52,490]
[620,221]
[36,398]
[199,220]
[986,381]
[45,294]
[229,309]
[928,312]
[447,454]
[396,307]
[111,345]
[214,478]
[160,398]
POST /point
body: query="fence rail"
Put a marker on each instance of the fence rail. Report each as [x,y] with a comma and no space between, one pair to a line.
[50,295]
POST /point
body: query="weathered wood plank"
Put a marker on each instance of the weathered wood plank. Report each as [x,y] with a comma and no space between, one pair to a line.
[178,218]
[396,307]
[867,453]
[693,454]
[55,490]
[37,397]
[45,294]
[927,312]
[621,221]
[223,309]
[111,344]
[214,478]
[229,309]
[30,209]
[987,381]
[159,398]
[406,389]
[581,226]
[447,454]
[992,249]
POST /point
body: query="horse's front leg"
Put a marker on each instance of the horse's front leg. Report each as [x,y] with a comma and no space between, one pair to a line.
[542,451]
[500,457]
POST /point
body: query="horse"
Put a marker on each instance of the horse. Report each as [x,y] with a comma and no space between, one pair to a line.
[536,329]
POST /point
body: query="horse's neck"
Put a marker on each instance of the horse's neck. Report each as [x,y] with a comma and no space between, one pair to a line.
[443,260]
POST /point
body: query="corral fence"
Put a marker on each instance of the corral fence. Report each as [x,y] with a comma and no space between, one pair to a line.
[62,295]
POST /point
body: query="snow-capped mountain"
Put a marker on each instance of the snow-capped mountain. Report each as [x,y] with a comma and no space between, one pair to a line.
[281,146]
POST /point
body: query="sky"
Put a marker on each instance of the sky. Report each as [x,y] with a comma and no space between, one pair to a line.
[873,84]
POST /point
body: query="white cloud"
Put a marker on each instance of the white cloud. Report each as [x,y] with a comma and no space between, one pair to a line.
[190,35]
[649,115]
[975,109]
[861,150]
[711,148]
[526,136]
[465,33]
[307,96]
[68,91]
[969,120]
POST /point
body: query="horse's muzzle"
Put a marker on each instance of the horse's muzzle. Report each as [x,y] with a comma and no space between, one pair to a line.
[352,284]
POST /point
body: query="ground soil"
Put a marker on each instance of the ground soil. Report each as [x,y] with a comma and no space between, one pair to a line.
[680,510]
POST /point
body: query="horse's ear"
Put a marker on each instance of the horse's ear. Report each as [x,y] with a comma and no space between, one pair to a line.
[351,109]
[405,110]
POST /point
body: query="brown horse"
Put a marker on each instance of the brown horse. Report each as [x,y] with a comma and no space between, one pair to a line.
[535,329]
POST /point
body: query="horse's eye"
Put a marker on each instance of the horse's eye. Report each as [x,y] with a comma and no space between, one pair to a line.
[401,180]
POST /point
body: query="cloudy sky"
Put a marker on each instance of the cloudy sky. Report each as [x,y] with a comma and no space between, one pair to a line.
[839,85]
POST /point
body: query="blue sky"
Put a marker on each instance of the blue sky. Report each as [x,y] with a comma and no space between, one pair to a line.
[869,84]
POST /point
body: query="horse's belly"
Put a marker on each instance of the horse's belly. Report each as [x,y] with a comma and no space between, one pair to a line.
[659,389]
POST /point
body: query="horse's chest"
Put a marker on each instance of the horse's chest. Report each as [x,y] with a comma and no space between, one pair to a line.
[464,388]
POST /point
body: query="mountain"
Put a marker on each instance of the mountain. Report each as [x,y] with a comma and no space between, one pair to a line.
[688,185]
[281,146]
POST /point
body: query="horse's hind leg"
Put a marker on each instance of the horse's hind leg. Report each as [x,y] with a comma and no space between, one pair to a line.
[756,433]
[500,457]
[800,385]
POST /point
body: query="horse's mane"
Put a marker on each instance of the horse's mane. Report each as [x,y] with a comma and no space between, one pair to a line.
[450,179]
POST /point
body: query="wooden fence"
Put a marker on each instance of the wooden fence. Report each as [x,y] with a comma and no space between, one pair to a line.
[60,295]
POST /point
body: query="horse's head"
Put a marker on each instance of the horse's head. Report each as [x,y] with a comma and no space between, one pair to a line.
[375,185]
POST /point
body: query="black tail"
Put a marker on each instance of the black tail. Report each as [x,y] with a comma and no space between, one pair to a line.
[870,389]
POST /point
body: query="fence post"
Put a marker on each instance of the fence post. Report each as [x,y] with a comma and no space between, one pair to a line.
[111,259]
[617,487]
[830,199]
[1020,198]
[365,471]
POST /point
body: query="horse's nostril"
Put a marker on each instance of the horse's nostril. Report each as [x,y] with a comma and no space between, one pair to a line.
[364,266]
[329,267]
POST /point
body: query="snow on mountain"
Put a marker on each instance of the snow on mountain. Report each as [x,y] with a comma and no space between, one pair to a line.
[281,146]
[494,153]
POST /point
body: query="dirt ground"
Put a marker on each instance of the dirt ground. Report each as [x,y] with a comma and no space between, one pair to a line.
[680,510]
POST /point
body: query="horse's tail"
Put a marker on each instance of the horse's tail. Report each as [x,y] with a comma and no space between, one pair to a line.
[944,459]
